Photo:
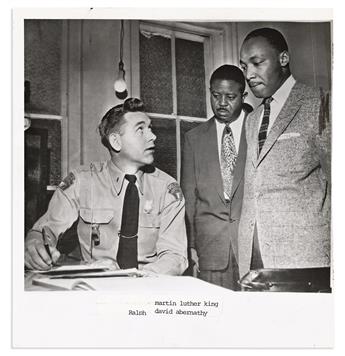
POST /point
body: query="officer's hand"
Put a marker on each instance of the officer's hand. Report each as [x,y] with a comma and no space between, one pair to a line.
[195,260]
[36,255]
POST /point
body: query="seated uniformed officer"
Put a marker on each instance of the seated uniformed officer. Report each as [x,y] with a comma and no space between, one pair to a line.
[95,196]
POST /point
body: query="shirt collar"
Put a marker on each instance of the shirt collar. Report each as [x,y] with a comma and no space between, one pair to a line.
[222,124]
[118,177]
[281,95]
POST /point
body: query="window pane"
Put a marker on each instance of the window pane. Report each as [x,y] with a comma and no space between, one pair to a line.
[43,47]
[155,74]
[190,76]
[165,152]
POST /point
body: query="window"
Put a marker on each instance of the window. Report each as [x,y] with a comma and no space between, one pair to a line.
[175,63]
[172,73]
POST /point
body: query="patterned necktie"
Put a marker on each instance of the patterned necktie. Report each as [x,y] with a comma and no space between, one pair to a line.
[265,122]
[127,253]
[228,159]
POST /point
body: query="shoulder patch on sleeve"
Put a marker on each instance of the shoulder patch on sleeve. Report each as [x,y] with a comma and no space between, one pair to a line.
[67,182]
[175,190]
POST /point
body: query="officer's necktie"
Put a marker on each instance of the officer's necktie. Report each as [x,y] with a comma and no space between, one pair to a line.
[265,122]
[127,254]
[228,159]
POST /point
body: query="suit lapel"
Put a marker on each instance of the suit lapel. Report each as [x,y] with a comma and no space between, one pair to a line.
[287,113]
[241,158]
[253,128]
[212,158]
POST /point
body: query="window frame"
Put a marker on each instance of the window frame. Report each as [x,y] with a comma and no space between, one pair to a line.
[214,55]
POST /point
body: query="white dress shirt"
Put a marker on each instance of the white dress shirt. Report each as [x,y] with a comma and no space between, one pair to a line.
[236,128]
[279,99]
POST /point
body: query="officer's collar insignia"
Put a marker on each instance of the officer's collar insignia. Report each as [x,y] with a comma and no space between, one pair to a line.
[68,181]
[175,190]
[148,206]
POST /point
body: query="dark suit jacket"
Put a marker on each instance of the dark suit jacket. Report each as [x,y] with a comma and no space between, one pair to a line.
[212,224]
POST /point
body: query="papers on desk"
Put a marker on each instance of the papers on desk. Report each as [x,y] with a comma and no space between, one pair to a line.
[75,268]
[72,270]
[62,284]
[82,277]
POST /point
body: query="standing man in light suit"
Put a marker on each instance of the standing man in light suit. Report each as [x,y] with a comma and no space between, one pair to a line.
[212,180]
[285,221]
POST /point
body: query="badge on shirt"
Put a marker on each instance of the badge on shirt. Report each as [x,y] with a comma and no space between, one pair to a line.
[67,182]
[148,206]
[175,190]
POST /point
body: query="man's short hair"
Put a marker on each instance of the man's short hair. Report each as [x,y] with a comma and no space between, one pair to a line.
[272,36]
[113,119]
[229,72]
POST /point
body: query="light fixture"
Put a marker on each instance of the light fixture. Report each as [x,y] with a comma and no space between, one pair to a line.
[27,120]
[120,85]
[27,123]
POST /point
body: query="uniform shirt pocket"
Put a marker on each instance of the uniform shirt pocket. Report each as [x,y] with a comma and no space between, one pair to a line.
[149,220]
[99,216]
[98,224]
[148,236]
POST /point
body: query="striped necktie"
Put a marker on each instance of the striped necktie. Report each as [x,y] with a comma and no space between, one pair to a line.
[228,159]
[265,122]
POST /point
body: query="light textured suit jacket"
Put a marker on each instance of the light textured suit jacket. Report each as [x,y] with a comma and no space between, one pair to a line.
[212,225]
[286,190]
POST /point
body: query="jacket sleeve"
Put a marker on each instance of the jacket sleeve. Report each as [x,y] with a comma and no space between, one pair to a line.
[172,240]
[188,183]
[323,138]
[62,211]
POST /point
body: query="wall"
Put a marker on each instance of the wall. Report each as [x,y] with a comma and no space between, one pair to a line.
[91,62]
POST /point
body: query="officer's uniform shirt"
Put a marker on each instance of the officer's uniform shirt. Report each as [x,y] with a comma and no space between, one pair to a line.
[95,194]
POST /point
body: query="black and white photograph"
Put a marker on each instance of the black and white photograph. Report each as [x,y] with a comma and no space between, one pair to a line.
[176,174]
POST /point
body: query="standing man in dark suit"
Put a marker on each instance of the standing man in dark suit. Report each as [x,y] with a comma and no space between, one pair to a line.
[285,221]
[212,180]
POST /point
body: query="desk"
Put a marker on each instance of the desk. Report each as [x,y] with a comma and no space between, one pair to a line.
[126,284]
[149,312]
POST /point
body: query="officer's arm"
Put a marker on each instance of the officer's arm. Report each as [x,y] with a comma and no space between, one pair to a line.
[62,212]
[172,240]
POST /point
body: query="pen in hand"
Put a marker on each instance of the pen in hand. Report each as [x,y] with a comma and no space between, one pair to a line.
[46,245]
